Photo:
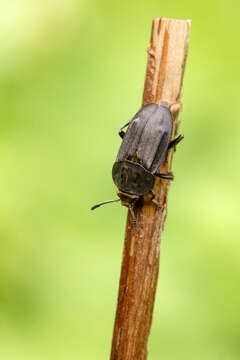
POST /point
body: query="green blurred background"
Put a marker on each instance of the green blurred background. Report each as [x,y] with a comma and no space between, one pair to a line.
[72,72]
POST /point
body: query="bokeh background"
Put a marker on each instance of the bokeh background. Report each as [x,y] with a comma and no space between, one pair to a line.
[71,73]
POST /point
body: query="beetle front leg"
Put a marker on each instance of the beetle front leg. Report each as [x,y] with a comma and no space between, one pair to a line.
[121,133]
[155,201]
[175,141]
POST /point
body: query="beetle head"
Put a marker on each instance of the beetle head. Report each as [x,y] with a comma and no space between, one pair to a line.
[127,199]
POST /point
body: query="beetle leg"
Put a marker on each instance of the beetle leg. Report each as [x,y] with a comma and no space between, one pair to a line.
[133,217]
[168,176]
[155,201]
[175,141]
[121,133]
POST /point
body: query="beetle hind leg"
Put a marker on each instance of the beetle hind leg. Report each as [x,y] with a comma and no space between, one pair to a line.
[175,141]
[121,133]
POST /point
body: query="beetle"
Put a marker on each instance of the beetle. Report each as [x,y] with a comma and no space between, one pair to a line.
[142,151]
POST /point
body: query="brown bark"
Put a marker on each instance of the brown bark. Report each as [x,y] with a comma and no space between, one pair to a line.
[165,68]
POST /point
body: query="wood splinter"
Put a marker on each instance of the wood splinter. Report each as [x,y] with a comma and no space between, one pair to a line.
[167,54]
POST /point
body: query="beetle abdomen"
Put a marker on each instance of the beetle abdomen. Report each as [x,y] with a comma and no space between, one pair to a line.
[132,178]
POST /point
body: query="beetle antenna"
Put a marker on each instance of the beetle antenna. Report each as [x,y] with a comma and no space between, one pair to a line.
[133,217]
[102,203]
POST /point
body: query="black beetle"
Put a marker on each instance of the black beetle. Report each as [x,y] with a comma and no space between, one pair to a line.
[142,152]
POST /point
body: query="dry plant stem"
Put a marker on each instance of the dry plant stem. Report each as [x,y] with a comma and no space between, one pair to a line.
[165,67]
